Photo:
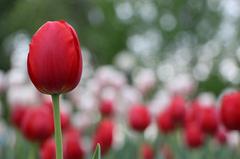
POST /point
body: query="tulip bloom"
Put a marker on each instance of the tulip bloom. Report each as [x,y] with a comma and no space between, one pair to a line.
[194,137]
[65,120]
[48,149]
[17,115]
[147,151]
[192,113]
[104,136]
[54,60]
[208,119]
[165,122]
[106,107]
[221,136]
[139,118]
[72,148]
[230,111]
[166,152]
[37,124]
[177,109]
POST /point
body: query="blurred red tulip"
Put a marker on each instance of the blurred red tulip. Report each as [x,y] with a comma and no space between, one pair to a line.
[72,131]
[139,118]
[37,124]
[48,149]
[65,120]
[230,110]
[106,107]
[177,109]
[208,119]
[147,151]
[194,136]
[221,135]
[166,152]
[192,113]
[48,105]
[165,122]
[54,59]
[104,136]
[72,148]
[17,114]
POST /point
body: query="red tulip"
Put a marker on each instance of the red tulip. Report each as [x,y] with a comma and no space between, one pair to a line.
[192,113]
[208,119]
[48,149]
[72,131]
[139,117]
[194,136]
[147,152]
[165,122]
[65,120]
[104,136]
[72,149]
[177,109]
[17,115]
[54,59]
[166,152]
[221,136]
[230,111]
[106,107]
[48,105]
[37,124]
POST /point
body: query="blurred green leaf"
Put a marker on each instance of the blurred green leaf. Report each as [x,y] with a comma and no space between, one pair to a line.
[97,153]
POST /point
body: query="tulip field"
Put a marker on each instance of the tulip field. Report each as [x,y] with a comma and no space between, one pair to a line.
[110,113]
[119,79]
[119,115]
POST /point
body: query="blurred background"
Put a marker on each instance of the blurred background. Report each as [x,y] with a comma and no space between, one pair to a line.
[135,51]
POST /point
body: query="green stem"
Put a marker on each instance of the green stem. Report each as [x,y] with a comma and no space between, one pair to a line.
[18,147]
[57,126]
[33,151]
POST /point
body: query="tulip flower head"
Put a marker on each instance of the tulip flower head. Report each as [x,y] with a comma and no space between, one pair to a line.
[65,120]
[139,118]
[54,60]
[177,109]
[165,122]
[194,137]
[104,136]
[37,124]
[48,149]
[221,136]
[17,115]
[167,152]
[106,107]
[230,111]
[208,120]
[147,151]
[72,148]
[192,112]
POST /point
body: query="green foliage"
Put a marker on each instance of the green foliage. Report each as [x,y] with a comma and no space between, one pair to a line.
[97,153]
[109,36]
